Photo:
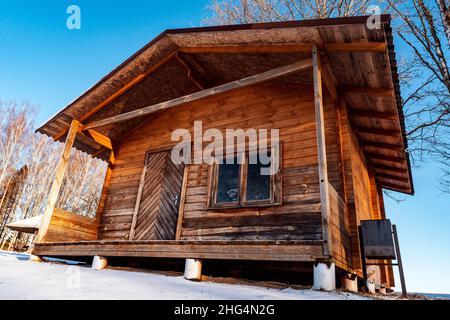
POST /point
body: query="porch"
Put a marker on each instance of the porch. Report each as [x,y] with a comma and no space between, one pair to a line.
[304,251]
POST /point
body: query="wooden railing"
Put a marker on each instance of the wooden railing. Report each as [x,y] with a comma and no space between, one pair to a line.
[338,229]
[70,227]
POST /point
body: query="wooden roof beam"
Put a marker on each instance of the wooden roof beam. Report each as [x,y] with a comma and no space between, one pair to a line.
[392,177]
[377,131]
[245,82]
[384,157]
[356,47]
[382,92]
[104,141]
[273,48]
[289,48]
[381,145]
[378,166]
[372,114]
[395,187]
[192,73]
[101,139]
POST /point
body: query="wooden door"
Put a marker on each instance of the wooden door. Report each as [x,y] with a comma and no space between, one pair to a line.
[160,196]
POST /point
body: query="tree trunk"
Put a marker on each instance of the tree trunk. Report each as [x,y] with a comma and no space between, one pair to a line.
[445,16]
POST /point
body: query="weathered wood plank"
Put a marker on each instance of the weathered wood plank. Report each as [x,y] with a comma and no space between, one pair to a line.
[289,48]
[264,250]
[321,149]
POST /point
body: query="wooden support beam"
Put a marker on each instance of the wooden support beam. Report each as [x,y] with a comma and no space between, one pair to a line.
[382,92]
[57,182]
[192,73]
[378,131]
[245,82]
[120,92]
[372,114]
[234,250]
[356,47]
[289,48]
[101,139]
[321,149]
[106,183]
[275,48]
[99,152]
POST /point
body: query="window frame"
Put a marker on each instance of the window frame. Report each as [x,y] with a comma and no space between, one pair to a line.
[242,202]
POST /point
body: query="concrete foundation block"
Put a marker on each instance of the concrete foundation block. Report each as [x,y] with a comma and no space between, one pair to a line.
[371,288]
[99,263]
[35,258]
[193,269]
[324,276]
[349,282]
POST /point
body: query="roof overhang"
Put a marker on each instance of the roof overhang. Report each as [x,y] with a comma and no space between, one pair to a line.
[361,62]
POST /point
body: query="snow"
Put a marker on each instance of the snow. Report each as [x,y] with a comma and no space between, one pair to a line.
[21,278]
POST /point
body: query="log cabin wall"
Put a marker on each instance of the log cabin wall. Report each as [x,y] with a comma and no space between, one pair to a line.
[364,195]
[290,109]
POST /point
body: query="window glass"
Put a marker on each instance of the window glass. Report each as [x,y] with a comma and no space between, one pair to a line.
[228,183]
[258,185]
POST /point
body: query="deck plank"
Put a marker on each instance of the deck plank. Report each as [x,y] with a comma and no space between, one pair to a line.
[233,250]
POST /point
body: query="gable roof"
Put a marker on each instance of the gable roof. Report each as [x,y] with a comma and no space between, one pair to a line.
[194,59]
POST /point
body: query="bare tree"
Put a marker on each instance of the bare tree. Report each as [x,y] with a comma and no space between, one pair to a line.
[19,146]
[444,9]
[424,29]
[423,26]
[252,11]
[15,128]
[9,198]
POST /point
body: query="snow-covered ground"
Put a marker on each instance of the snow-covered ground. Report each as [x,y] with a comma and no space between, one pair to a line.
[24,279]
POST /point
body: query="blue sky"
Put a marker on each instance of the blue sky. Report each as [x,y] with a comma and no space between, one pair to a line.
[43,62]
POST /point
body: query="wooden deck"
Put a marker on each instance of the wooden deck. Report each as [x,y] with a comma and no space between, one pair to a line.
[305,251]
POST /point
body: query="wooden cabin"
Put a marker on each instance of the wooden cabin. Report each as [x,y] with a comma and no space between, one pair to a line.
[329,86]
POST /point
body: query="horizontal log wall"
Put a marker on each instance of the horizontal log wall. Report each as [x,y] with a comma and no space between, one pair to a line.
[289,109]
[68,227]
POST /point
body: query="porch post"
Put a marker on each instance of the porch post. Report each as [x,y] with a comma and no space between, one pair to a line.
[321,149]
[106,182]
[57,182]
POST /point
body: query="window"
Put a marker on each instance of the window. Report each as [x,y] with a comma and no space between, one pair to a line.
[228,183]
[249,184]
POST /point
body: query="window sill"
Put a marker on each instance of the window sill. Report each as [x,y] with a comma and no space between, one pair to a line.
[246,206]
